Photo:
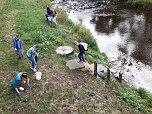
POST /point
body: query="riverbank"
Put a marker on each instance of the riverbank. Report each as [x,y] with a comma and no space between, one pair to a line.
[60,90]
[140,4]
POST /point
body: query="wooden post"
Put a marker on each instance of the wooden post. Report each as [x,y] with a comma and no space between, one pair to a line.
[95,68]
[120,77]
[108,73]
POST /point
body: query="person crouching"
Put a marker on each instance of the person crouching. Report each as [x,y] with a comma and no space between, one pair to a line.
[19,81]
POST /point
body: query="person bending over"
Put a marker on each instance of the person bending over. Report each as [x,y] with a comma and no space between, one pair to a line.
[19,81]
[32,55]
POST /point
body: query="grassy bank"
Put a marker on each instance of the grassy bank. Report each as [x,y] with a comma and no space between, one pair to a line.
[60,91]
[141,1]
[140,4]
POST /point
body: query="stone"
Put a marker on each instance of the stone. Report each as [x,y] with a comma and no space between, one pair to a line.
[74,64]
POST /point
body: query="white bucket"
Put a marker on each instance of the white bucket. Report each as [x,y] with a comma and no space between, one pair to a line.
[38,75]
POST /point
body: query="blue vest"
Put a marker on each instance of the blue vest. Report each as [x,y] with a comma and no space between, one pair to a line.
[17,80]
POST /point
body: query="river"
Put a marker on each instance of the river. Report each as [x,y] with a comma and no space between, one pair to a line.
[123,34]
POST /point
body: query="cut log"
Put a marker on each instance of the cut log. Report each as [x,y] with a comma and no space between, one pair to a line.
[64,50]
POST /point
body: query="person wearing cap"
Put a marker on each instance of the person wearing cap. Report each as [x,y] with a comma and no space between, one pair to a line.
[17,44]
[32,55]
[20,80]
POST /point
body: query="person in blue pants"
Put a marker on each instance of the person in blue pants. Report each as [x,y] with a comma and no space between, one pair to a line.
[81,51]
[32,55]
[17,44]
[19,80]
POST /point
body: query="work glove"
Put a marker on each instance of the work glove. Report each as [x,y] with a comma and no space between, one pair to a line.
[28,85]
[19,94]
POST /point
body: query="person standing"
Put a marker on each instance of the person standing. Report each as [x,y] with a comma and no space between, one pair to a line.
[32,55]
[17,44]
[81,51]
[19,81]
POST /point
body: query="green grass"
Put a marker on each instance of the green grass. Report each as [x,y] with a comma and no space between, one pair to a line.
[60,90]
[140,4]
[138,98]
[142,1]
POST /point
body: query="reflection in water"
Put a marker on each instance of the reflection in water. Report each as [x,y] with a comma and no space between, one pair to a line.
[122,34]
[107,25]
[134,30]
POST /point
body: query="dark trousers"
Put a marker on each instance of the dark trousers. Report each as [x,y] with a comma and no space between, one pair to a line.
[80,56]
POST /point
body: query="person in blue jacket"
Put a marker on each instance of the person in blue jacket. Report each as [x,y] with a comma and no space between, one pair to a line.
[17,44]
[20,80]
[81,51]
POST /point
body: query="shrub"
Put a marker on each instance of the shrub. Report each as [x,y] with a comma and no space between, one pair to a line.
[142,93]
[131,97]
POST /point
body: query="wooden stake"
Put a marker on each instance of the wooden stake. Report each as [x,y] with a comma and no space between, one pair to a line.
[108,73]
[95,68]
[120,77]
